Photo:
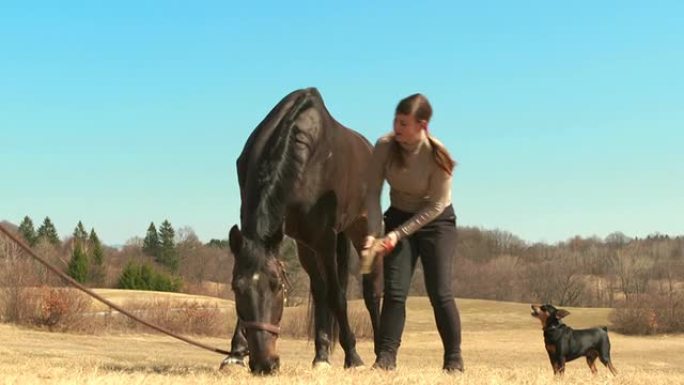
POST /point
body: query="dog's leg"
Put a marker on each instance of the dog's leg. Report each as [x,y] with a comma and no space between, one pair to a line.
[553,364]
[591,360]
[558,367]
[604,355]
[561,366]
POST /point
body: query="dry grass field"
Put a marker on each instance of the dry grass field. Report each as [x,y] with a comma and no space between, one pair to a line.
[502,344]
[128,297]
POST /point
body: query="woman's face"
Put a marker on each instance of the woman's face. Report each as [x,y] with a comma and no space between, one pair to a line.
[407,129]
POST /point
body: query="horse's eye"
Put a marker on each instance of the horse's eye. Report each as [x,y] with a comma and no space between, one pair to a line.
[239,285]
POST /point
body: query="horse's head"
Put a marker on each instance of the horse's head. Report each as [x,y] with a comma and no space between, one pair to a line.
[258,284]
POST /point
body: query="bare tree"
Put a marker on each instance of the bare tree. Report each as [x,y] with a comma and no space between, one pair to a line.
[633,272]
[556,281]
[17,274]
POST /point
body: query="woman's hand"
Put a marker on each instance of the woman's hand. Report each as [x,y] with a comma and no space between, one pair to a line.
[368,242]
[373,247]
[390,241]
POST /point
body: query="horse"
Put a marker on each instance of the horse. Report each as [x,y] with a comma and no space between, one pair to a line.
[301,174]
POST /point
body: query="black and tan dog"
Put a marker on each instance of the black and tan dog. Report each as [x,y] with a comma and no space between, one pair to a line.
[565,344]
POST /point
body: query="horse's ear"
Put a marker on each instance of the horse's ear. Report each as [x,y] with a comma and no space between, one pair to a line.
[235,240]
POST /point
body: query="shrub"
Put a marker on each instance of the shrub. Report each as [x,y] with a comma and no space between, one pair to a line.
[650,314]
[186,317]
[60,309]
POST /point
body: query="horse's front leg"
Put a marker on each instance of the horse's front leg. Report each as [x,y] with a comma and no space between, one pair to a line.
[335,249]
[372,297]
[238,348]
[322,316]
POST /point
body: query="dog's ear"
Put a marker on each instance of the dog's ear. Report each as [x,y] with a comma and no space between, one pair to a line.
[562,313]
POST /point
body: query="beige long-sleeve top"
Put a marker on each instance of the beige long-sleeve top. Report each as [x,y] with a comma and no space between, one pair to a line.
[422,187]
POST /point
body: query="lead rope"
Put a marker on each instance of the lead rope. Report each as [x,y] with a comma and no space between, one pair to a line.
[105,301]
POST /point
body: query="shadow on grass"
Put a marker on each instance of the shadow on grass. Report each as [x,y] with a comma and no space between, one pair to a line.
[160,369]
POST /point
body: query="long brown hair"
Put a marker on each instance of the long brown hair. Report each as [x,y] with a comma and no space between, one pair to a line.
[418,106]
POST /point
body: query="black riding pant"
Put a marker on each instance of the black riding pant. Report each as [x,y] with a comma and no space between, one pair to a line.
[435,244]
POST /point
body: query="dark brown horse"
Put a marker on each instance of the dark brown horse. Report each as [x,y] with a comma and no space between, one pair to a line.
[301,174]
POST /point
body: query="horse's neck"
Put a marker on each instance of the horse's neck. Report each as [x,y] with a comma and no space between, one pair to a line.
[278,160]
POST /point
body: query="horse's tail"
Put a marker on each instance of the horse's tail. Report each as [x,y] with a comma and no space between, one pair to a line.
[334,332]
[345,250]
[311,318]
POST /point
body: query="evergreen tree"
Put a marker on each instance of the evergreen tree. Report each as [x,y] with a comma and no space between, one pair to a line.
[143,277]
[98,253]
[151,242]
[96,259]
[80,234]
[78,265]
[27,230]
[130,277]
[48,231]
[218,243]
[168,256]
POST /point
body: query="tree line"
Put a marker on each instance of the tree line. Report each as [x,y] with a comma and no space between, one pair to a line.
[614,271]
[86,261]
[488,264]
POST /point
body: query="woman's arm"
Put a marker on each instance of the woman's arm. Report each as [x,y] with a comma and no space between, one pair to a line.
[439,196]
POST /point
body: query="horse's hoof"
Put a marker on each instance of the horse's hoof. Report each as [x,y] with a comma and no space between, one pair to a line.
[232,361]
[353,362]
[321,365]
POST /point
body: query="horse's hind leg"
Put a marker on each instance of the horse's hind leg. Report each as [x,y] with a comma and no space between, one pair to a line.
[372,283]
[322,315]
[324,267]
[338,299]
[327,249]
[372,299]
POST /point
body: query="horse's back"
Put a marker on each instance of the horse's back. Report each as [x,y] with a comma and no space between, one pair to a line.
[301,142]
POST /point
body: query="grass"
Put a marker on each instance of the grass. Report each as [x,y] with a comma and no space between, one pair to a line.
[502,344]
[123,297]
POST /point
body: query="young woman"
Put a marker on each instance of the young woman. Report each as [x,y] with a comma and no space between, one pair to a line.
[420,223]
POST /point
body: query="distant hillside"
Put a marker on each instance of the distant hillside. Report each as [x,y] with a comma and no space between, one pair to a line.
[9,226]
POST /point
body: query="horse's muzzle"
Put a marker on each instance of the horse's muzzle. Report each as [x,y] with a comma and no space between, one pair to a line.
[265,367]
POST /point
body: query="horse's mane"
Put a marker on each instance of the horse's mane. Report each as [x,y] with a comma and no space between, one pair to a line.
[278,169]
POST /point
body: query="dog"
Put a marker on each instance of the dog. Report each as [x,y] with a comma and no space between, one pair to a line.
[564,344]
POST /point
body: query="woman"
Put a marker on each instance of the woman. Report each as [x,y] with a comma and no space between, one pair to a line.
[420,223]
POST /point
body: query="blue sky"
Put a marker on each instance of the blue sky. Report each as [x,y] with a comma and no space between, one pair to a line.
[565,117]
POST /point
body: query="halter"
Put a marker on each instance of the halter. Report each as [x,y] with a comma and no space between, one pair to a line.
[271,328]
